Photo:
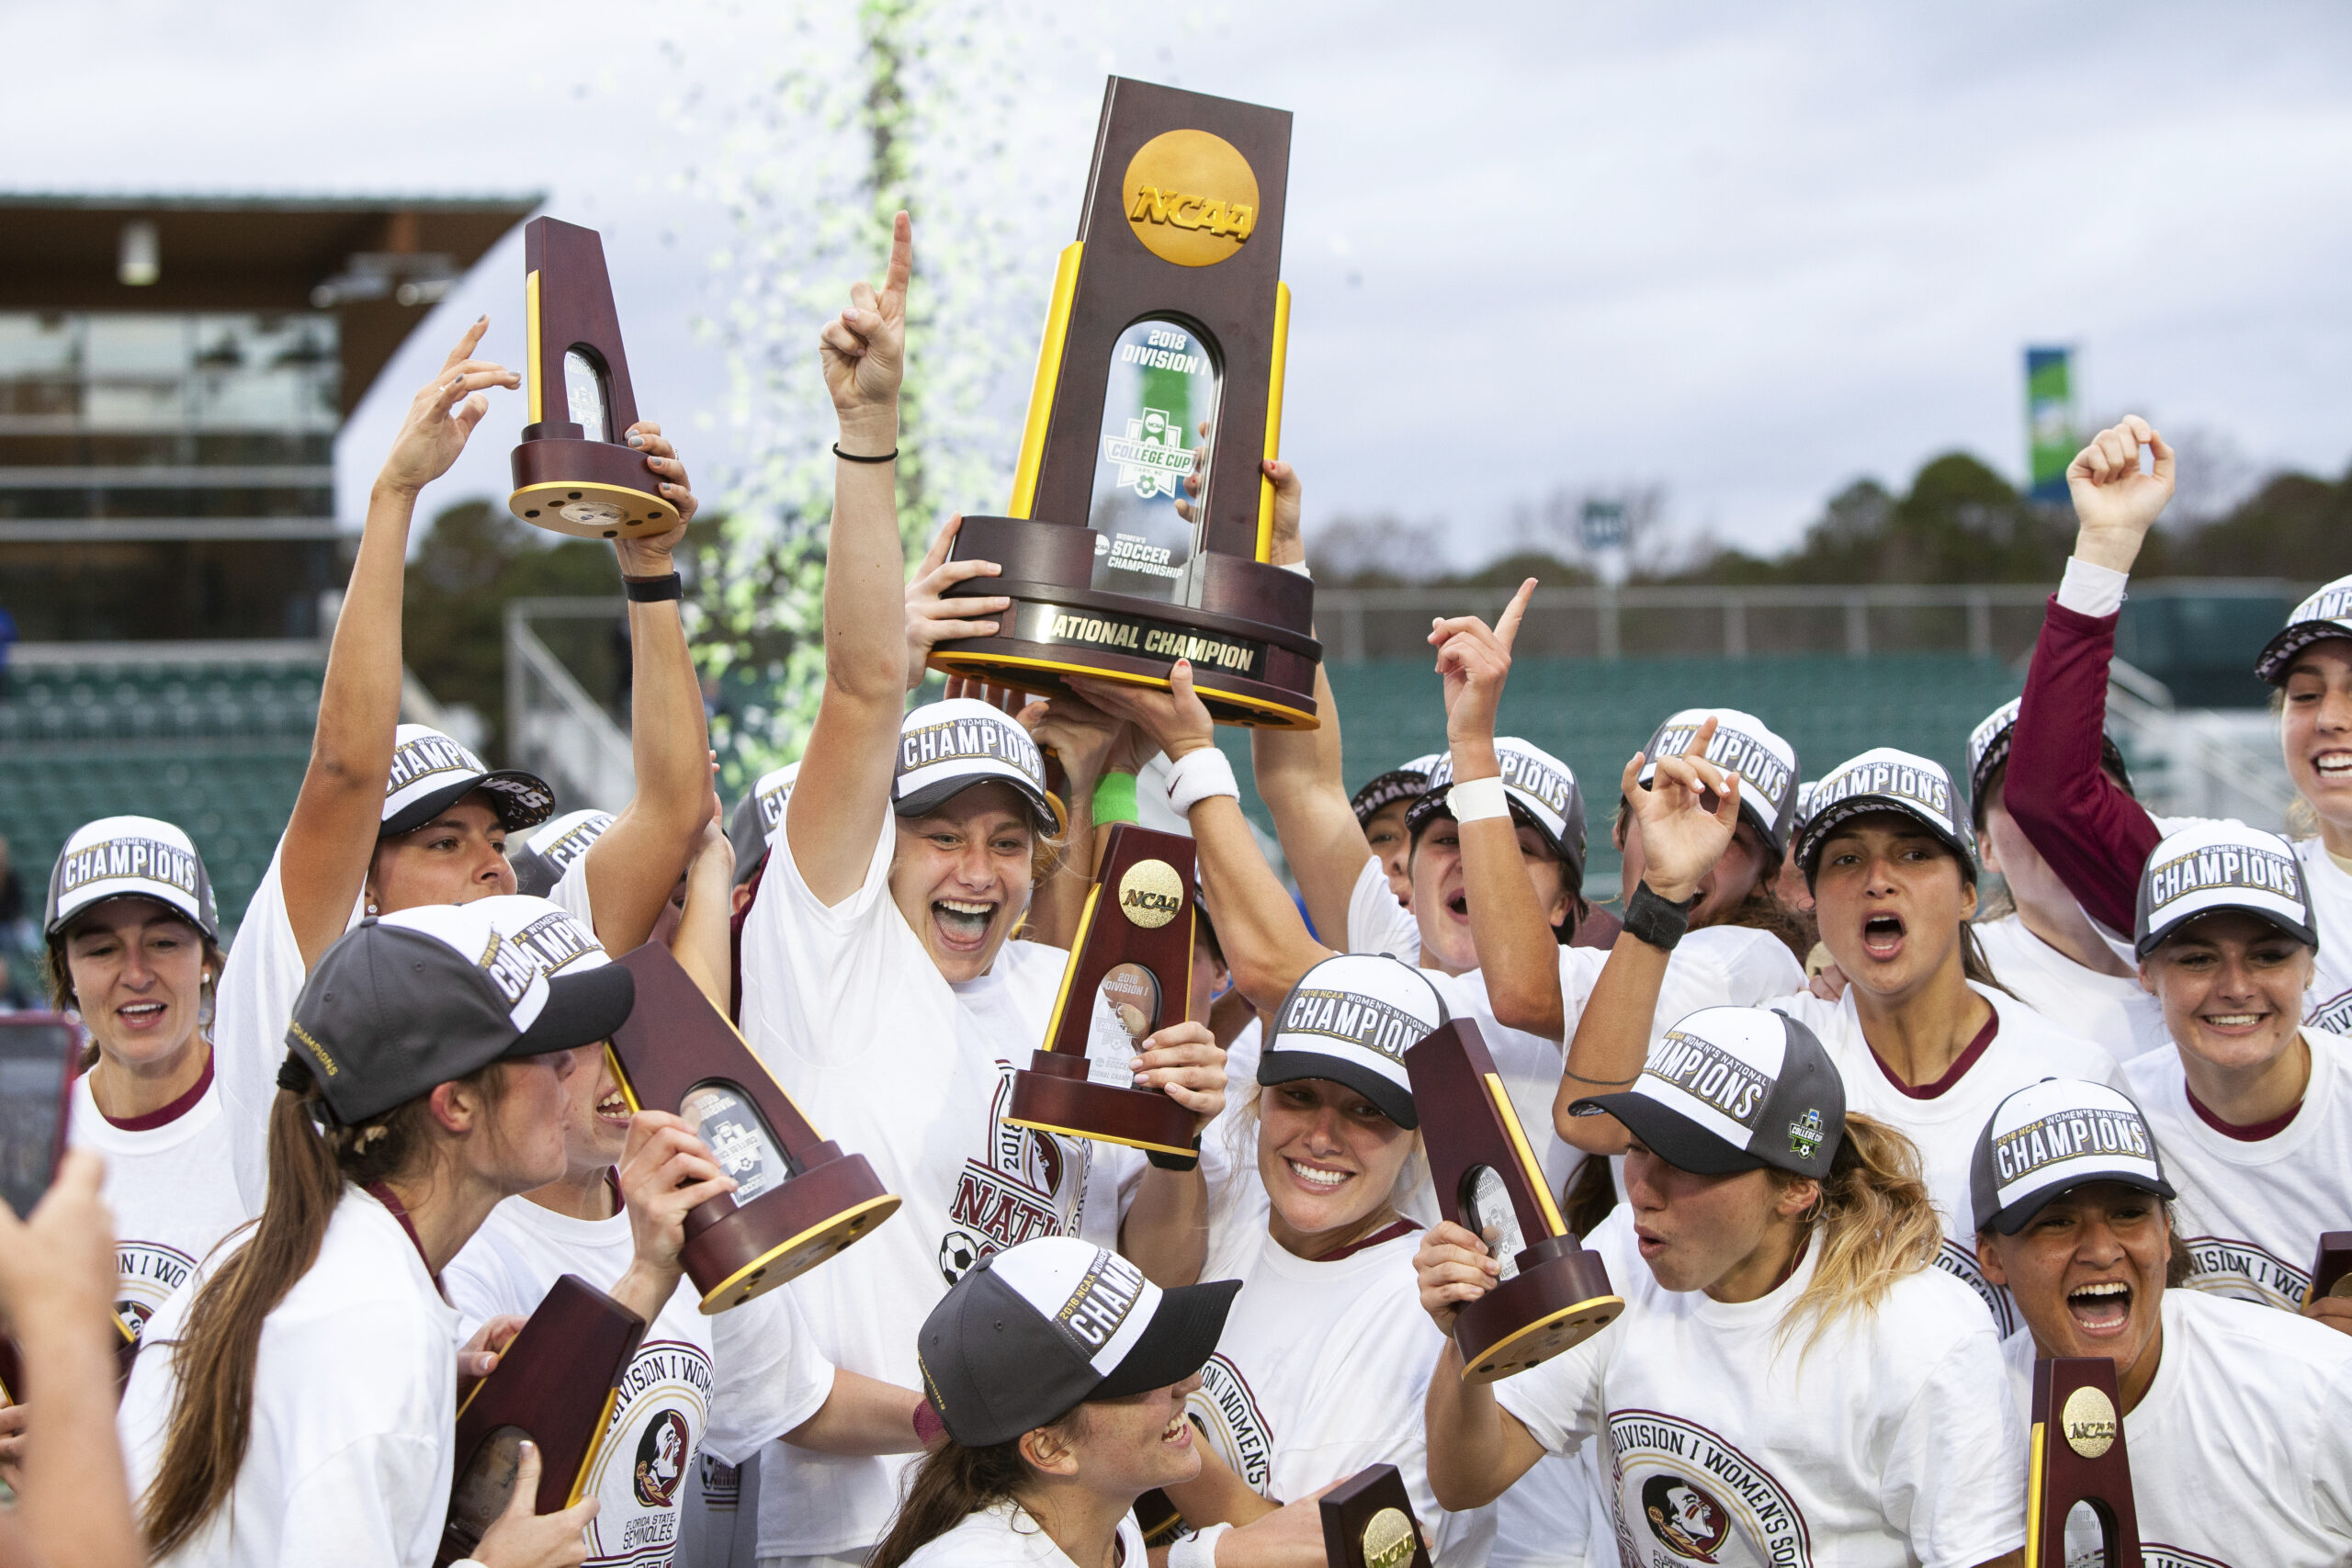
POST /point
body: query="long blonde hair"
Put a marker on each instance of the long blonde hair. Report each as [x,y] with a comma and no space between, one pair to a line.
[1874,1223]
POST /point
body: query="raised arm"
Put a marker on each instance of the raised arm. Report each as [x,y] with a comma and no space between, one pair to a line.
[1301,775]
[2095,836]
[1476,1449]
[634,867]
[843,793]
[703,944]
[1686,817]
[1266,945]
[331,837]
[1518,952]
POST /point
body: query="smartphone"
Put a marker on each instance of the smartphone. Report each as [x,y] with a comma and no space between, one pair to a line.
[38,1052]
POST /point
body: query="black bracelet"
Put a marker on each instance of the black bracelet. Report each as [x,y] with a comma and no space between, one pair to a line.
[1656,919]
[1175,1162]
[889,457]
[652,590]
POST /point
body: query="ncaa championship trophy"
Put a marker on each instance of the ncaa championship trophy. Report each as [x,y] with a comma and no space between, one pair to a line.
[2331,1270]
[1368,1522]
[2076,1455]
[1139,960]
[574,470]
[798,1198]
[1552,1294]
[1162,358]
[554,1385]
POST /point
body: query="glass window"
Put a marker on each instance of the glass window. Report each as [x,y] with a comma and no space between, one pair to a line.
[137,346]
[39,345]
[1156,415]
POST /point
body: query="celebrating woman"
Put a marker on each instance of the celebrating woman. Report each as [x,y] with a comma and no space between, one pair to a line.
[1789,1376]
[297,1403]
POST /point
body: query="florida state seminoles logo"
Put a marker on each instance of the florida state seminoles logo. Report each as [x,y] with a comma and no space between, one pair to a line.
[1685,1516]
[660,1459]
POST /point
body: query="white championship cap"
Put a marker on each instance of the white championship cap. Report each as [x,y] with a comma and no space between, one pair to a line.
[130,857]
[945,748]
[2053,1135]
[431,771]
[1351,1018]
[1884,778]
[1767,765]
[2221,865]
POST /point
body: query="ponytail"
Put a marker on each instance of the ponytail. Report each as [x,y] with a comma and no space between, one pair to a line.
[217,1355]
[951,1484]
[1874,1223]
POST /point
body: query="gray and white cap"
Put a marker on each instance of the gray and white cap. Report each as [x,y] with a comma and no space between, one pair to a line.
[2054,1135]
[1542,792]
[945,748]
[1032,1332]
[1351,1018]
[1767,765]
[1988,750]
[130,857]
[755,816]
[2221,865]
[2325,613]
[548,853]
[1383,790]
[431,771]
[1884,778]
[1733,1088]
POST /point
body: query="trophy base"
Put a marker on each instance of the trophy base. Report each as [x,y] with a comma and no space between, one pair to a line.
[1247,627]
[735,1254]
[591,490]
[1054,1095]
[1560,1298]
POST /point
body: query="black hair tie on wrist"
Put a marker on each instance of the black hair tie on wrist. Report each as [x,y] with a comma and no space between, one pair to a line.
[652,590]
[1652,917]
[889,457]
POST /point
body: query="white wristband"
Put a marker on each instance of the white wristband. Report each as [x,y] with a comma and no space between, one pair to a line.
[1197,1550]
[1196,775]
[1299,566]
[1476,800]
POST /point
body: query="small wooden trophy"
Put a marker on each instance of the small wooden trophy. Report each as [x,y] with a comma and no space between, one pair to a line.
[1139,961]
[1553,1294]
[2077,1455]
[798,1198]
[1368,1522]
[2331,1270]
[554,1384]
[574,470]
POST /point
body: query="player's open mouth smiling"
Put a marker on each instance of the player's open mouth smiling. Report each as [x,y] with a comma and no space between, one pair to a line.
[1178,1434]
[2334,765]
[2233,1022]
[140,1015]
[962,923]
[1882,935]
[1319,1177]
[2101,1309]
[613,1107]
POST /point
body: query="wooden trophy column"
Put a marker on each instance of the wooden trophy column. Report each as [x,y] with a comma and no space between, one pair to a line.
[798,1198]
[1134,950]
[574,470]
[2331,1268]
[2077,1455]
[1552,1294]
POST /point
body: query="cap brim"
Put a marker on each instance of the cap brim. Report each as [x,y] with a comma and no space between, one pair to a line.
[1818,828]
[1392,1099]
[2014,1218]
[933,795]
[170,900]
[2307,935]
[1669,1134]
[1178,1342]
[2281,650]
[521,801]
[1385,791]
[581,1010]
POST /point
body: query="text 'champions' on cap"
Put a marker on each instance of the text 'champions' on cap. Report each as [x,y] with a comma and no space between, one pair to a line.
[1542,792]
[553,847]
[2221,865]
[2326,613]
[1383,790]
[1884,779]
[1732,1089]
[1350,1019]
[2050,1138]
[1767,765]
[431,773]
[946,748]
[130,857]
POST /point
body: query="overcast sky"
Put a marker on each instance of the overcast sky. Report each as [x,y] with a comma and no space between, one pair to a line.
[1746,252]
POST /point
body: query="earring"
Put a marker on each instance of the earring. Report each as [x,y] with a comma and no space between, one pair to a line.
[371,906]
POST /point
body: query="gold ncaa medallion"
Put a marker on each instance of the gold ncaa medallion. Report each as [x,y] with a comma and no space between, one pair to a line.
[1151,894]
[1387,1540]
[2088,1422]
[1192,198]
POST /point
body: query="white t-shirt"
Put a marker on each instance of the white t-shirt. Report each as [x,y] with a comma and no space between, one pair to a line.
[1321,1370]
[255,997]
[353,1411]
[2112,1010]
[2237,1449]
[2330,1001]
[571,890]
[1886,1444]
[2251,1212]
[2025,1049]
[172,1182]
[1006,1536]
[891,1061]
[1377,923]
[678,1400]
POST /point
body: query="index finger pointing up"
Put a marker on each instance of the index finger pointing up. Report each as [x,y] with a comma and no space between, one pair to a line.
[902,257]
[1506,624]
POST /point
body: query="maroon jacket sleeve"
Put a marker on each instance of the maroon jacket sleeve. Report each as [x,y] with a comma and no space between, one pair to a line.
[2095,836]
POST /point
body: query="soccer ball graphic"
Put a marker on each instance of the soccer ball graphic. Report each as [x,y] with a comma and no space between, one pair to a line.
[958,1250]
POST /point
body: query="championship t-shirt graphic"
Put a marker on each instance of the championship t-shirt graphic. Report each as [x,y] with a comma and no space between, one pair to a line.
[146,1272]
[1685,1496]
[640,1474]
[1226,1412]
[1030,1184]
[2243,1272]
[1960,1264]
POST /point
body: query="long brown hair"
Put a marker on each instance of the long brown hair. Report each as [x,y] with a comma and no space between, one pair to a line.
[211,1418]
[1874,1223]
[952,1484]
